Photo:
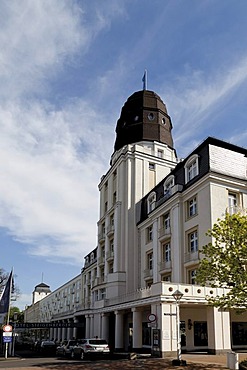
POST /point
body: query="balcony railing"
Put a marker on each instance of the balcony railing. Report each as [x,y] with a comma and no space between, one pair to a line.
[236,209]
[147,273]
[193,256]
[109,255]
[110,229]
[175,189]
[164,231]
[165,265]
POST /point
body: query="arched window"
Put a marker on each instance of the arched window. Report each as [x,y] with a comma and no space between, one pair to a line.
[168,184]
[151,201]
[191,168]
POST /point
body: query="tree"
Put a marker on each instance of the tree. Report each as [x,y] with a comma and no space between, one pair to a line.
[225,261]
[3,279]
[15,315]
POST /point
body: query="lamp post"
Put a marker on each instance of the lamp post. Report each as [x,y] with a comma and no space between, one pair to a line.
[177,295]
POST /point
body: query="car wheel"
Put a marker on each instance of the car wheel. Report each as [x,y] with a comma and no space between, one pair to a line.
[82,355]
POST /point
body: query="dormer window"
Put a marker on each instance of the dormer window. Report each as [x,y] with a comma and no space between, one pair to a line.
[168,184]
[191,168]
[151,201]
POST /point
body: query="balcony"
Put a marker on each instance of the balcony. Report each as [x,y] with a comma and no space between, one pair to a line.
[193,256]
[148,273]
[175,189]
[164,232]
[101,260]
[110,230]
[236,209]
[98,281]
[110,255]
[101,237]
[165,265]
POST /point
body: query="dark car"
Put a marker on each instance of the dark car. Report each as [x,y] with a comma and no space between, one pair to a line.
[90,347]
[48,347]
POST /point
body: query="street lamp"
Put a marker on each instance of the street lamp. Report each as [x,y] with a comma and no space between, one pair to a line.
[177,295]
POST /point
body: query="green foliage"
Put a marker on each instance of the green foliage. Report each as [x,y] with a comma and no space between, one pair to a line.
[224,262]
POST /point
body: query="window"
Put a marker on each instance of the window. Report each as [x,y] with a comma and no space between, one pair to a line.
[106,206]
[150,261]
[149,233]
[92,257]
[151,201]
[233,202]
[111,267]
[160,153]
[102,293]
[192,207]
[166,221]
[168,184]
[114,197]
[191,168]
[166,252]
[151,166]
[166,278]
[193,242]
[192,277]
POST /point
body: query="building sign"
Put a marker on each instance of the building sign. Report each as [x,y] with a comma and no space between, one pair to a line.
[48,325]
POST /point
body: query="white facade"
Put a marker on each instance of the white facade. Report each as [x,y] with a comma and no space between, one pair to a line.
[154,213]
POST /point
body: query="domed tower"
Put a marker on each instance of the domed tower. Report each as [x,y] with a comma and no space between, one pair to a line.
[40,291]
[143,155]
[143,118]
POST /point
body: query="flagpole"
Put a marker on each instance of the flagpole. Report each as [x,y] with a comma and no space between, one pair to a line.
[145,80]
[8,313]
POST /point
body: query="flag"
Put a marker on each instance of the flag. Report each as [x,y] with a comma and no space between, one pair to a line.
[144,80]
[5,299]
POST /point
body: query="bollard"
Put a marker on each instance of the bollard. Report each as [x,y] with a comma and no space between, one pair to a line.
[232,361]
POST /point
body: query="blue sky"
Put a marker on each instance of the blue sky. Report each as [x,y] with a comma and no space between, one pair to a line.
[66,69]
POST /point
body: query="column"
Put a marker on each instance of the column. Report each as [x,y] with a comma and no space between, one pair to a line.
[105,326]
[155,252]
[91,325]
[75,329]
[167,324]
[219,333]
[70,329]
[55,334]
[87,326]
[137,328]
[119,330]
[64,332]
[59,333]
[117,236]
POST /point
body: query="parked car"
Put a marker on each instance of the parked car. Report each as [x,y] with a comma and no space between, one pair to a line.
[90,347]
[65,348]
[48,347]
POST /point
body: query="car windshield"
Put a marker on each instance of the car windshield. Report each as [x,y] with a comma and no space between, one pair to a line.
[97,341]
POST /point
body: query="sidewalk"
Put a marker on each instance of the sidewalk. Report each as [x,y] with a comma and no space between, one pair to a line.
[195,361]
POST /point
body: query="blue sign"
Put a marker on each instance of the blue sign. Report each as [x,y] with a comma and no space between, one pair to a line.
[7,339]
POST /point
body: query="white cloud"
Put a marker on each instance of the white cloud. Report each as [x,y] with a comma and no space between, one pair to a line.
[51,160]
[196,96]
[49,175]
